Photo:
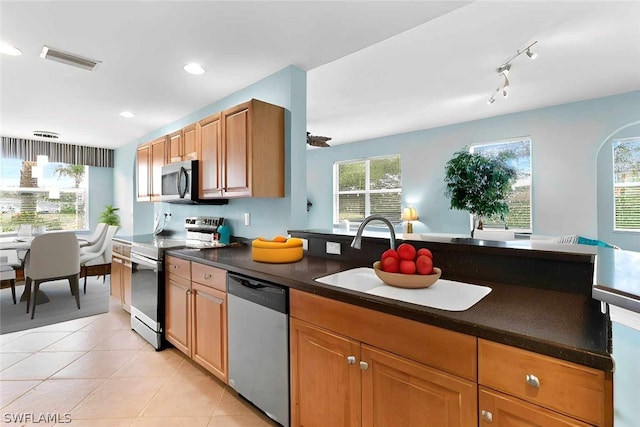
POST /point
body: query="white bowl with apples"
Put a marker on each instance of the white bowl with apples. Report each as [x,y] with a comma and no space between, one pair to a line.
[407,267]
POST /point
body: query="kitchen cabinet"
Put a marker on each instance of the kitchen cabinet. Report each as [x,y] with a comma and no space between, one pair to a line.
[150,159]
[182,144]
[121,274]
[351,367]
[209,156]
[244,149]
[576,391]
[196,313]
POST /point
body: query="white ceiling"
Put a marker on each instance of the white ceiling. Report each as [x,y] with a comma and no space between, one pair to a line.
[374,68]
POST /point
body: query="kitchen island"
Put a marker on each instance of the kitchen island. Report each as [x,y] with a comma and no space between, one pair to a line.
[539,312]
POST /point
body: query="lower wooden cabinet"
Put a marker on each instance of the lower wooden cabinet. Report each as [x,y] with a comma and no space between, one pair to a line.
[338,380]
[196,313]
[120,276]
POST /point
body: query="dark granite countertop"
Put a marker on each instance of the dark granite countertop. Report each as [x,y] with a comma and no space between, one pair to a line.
[560,324]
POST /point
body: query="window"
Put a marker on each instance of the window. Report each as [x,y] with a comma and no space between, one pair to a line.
[626,184]
[518,155]
[46,194]
[367,187]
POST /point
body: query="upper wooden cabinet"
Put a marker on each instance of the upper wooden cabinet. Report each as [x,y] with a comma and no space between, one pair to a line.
[182,144]
[151,156]
[247,143]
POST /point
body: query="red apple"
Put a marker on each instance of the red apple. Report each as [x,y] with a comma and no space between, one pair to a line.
[389,253]
[424,251]
[407,266]
[406,251]
[390,264]
[424,265]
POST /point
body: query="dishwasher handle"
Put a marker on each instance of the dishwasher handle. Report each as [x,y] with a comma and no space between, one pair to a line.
[265,294]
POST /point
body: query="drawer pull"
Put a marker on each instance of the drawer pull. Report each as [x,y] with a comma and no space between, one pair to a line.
[364,366]
[487,416]
[533,381]
[176,267]
[351,360]
[207,276]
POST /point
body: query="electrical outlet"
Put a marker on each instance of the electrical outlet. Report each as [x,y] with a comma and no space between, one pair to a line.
[333,248]
[305,244]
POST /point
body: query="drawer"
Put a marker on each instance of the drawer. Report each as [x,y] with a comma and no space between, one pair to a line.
[567,387]
[436,347]
[502,410]
[178,266]
[209,276]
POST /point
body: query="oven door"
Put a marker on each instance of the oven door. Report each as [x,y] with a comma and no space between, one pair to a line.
[147,301]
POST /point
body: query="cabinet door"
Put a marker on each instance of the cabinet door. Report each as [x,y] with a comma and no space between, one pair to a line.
[497,409]
[143,171]
[325,382]
[190,151]
[116,277]
[178,312]
[175,146]
[236,151]
[125,277]
[397,392]
[158,157]
[209,152]
[209,347]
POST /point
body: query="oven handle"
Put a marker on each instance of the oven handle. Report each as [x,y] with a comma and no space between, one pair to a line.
[143,260]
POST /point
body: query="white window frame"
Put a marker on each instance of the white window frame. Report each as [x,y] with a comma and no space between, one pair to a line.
[367,190]
[622,184]
[518,183]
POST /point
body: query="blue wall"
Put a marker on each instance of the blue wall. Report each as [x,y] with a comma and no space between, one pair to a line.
[100,192]
[286,88]
[566,140]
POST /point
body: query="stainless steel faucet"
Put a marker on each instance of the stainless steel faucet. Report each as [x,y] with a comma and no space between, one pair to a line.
[358,239]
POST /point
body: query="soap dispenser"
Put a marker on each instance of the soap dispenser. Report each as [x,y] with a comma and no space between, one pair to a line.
[224,233]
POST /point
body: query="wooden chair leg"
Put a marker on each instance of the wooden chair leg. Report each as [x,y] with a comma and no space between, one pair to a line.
[36,286]
[13,290]
[27,291]
[75,284]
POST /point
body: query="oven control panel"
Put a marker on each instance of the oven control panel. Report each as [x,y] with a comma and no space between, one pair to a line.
[203,223]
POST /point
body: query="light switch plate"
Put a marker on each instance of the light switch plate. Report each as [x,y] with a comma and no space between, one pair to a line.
[305,244]
[333,248]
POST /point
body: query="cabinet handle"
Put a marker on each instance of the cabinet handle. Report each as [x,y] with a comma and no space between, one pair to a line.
[351,360]
[188,291]
[364,365]
[207,276]
[532,380]
[486,415]
[176,267]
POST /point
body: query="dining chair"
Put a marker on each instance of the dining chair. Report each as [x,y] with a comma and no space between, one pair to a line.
[52,256]
[94,239]
[98,262]
[8,263]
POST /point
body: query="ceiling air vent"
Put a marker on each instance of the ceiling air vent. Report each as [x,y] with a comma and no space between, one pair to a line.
[46,134]
[69,58]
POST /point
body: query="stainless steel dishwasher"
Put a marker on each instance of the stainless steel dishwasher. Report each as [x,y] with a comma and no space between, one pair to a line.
[259,344]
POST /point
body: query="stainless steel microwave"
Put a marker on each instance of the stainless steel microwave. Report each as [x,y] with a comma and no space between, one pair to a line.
[180,184]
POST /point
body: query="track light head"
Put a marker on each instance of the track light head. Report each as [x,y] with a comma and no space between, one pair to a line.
[531,55]
[491,100]
[505,93]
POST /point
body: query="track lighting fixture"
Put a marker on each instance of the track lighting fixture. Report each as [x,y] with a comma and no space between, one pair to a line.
[504,70]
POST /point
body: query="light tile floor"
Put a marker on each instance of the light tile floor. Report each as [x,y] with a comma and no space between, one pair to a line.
[96,372]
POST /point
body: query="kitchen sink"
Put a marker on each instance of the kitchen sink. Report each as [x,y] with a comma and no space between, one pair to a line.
[444,294]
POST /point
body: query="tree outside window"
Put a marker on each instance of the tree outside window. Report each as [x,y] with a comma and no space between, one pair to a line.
[52,195]
[367,187]
[517,153]
[626,184]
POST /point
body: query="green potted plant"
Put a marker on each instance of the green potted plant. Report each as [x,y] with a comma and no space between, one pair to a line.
[479,185]
[109,216]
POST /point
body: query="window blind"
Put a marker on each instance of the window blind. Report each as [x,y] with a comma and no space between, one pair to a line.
[27,149]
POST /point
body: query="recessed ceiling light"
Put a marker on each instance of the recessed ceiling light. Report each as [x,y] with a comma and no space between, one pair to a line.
[10,50]
[127,114]
[194,68]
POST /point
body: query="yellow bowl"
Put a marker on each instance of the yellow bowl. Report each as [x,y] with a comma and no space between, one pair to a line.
[277,252]
[414,281]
